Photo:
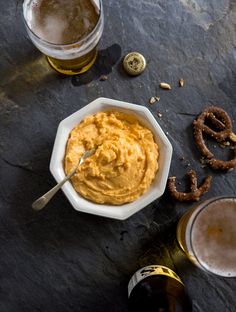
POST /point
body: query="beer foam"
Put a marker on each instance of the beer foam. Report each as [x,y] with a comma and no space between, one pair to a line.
[35,3]
[52,29]
[62,22]
[214,237]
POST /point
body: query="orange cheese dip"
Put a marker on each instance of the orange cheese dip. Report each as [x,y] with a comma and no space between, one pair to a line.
[124,164]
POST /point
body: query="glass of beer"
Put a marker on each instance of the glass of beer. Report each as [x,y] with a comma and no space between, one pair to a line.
[66,31]
[207,234]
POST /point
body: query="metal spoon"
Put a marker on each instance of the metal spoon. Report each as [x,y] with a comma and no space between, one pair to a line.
[42,201]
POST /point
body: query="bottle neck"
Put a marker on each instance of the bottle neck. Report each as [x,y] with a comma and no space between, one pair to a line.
[156,288]
[151,270]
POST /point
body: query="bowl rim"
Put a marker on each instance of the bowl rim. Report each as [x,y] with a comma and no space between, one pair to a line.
[79,203]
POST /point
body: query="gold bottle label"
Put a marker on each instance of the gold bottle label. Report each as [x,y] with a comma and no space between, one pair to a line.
[148,271]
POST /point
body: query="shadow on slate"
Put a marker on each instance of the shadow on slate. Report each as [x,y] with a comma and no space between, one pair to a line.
[107,58]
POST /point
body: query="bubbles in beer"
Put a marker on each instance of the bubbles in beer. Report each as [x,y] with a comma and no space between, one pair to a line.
[214,237]
[63,22]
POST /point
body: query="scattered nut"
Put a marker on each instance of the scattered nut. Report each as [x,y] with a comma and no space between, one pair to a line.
[103,78]
[232,137]
[181,82]
[154,99]
[159,114]
[165,86]
[203,162]
[224,144]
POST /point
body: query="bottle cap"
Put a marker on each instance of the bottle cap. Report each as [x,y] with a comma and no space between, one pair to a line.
[134,63]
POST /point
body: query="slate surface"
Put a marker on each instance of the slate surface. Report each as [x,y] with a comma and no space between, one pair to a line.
[61,260]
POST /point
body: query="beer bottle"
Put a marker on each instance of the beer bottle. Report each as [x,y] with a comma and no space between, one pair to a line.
[156,288]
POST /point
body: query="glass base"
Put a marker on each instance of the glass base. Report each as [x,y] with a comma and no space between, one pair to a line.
[75,66]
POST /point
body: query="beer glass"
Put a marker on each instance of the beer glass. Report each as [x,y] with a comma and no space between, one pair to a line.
[67,32]
[207,234]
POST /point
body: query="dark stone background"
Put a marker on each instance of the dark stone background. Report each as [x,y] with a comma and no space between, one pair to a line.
[62,260]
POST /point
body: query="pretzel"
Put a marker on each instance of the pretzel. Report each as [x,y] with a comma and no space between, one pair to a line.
[195,191]
[222,122]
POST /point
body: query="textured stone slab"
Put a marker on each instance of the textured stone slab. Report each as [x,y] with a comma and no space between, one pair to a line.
[61,260]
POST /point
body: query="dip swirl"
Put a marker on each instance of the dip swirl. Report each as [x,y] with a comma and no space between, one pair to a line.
[124,164]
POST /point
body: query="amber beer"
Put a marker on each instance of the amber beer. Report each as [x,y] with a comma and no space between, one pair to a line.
[157,288]
[207,234]
[66,31]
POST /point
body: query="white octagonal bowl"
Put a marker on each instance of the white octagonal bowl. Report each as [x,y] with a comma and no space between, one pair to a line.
[146,118]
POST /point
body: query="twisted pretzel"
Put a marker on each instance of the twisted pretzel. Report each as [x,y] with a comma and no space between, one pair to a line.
[222,122]
[195,191]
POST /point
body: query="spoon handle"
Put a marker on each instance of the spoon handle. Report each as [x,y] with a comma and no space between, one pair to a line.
[42,201]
